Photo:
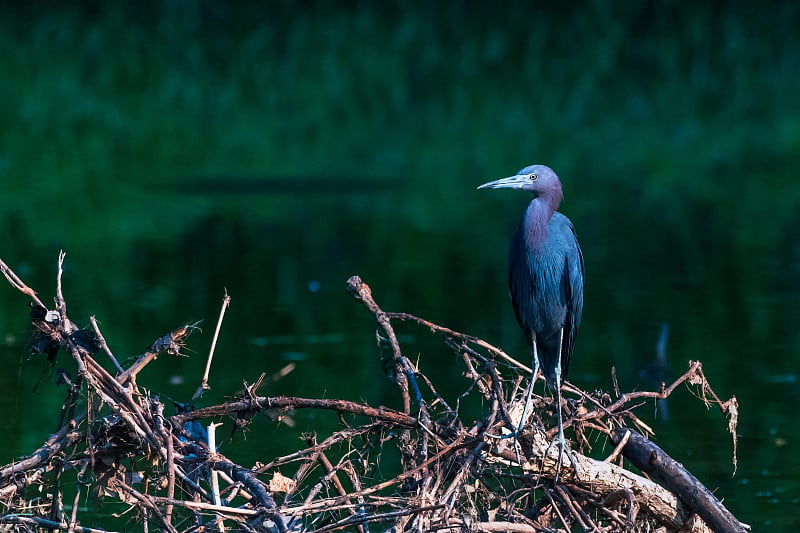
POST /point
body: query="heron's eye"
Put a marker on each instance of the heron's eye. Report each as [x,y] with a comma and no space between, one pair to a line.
[533,177]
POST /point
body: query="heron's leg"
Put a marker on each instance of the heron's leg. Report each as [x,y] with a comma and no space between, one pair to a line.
[529,392]
[528,401]
[562,442]
[515,432]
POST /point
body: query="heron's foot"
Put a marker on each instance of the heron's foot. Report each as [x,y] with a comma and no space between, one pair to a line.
[515,434]
[563,449]
[511,434]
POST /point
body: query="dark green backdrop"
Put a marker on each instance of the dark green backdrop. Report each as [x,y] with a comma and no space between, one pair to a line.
[175,149]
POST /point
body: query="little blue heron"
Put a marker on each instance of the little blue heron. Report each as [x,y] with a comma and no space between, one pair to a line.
[545,278]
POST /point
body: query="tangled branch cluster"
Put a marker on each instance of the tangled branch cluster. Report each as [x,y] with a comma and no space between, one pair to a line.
[423,468]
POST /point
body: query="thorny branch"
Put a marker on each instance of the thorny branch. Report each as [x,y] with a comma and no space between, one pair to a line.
[456,469]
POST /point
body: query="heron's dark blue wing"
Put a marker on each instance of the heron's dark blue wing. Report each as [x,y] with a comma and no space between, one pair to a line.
[573,277]
[521,286]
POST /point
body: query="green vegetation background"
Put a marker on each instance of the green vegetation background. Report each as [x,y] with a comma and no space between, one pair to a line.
[176,148]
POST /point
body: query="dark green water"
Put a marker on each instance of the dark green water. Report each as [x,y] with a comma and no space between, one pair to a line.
[181,149]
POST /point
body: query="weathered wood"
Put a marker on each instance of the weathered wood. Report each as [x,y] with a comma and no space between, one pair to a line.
[604,478]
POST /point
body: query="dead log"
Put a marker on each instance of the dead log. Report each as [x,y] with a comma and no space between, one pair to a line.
[652,460]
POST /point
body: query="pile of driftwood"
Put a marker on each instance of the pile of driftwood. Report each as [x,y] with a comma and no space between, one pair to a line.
[424,468]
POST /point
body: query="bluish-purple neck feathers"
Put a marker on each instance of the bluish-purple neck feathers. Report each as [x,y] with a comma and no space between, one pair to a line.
[547,196]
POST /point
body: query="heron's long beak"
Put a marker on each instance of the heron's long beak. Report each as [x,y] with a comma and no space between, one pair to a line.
[512,182]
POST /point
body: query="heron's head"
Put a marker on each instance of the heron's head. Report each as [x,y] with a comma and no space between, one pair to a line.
[537,179]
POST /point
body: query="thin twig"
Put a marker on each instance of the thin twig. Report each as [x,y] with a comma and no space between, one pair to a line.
[447,332]
[18,284]
[226,302]
[103,344]
[618,450]
[61,304]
